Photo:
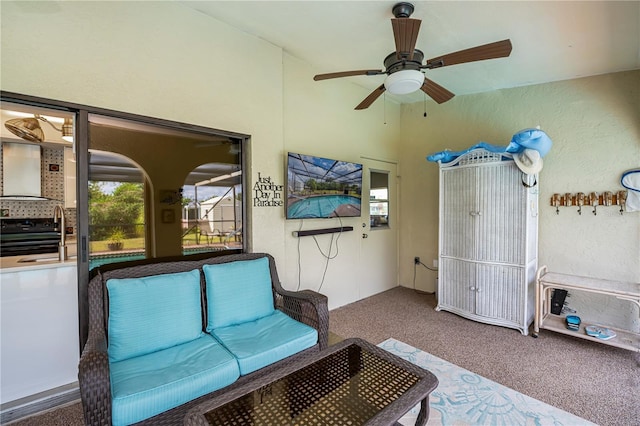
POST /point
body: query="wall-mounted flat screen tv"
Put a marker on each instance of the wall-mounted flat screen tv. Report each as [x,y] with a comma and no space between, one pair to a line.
[322,188]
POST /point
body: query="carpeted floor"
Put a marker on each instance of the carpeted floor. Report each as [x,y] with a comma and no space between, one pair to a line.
[597,382]
[593,381]
[464,398]
[68,415]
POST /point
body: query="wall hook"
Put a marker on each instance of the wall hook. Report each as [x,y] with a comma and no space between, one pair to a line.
[568,199]
[621,200]
[555,201]
[580,202]
[607,198]
[593,200]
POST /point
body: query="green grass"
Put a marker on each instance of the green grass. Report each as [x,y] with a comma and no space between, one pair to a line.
[129,244]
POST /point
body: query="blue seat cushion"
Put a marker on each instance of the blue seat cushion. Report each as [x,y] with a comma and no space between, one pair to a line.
[238,292]
[150,384]
[266,340]
[153,313]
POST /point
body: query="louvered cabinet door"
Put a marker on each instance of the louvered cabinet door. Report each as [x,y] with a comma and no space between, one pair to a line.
[458,294]
[501,215]
[459,203]
[499,294]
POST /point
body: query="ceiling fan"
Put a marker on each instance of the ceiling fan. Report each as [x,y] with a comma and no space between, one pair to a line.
[403,67]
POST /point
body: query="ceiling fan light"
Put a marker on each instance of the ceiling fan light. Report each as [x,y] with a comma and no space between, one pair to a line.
[403,82]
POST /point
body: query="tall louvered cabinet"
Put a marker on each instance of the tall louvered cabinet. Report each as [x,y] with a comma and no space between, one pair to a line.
[488,240]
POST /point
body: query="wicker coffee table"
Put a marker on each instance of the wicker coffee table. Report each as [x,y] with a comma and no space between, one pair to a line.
[350,383]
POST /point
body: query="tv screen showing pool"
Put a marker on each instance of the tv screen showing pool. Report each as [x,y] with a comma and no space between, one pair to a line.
[322,188]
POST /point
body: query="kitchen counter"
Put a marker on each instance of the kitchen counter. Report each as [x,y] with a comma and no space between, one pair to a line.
[39,261]
[39,326]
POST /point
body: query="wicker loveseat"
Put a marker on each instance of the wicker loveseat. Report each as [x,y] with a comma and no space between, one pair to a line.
[228,348]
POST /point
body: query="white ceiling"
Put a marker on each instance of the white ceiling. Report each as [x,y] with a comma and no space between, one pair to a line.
[552,40]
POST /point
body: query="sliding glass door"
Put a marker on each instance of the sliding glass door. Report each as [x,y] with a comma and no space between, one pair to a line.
[144,187]
[157,191]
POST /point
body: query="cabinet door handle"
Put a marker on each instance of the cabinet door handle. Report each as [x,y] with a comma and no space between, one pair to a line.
[472,288]
[475,213]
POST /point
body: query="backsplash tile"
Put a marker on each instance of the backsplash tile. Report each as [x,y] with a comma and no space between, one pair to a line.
[53,177]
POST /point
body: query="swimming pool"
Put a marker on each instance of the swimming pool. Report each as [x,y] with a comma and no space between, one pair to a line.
[324,206]
[103,259]
[100,260]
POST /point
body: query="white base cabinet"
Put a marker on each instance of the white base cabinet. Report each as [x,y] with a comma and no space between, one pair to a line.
[487,240]
[39,344]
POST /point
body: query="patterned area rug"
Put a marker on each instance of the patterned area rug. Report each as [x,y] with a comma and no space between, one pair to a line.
[465,398]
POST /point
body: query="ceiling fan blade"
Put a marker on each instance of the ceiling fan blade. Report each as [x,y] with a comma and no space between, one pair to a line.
[371,98]
[435,91]
[498,49]
[346,74]
[405,33]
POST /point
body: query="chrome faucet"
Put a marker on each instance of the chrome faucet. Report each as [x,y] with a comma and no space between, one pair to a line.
[58,215]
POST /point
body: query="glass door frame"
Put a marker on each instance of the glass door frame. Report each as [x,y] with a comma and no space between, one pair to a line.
[81,146]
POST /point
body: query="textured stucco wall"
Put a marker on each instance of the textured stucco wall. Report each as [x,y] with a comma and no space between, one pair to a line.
[594,123]
[319,119]
[158,59]
[207,73]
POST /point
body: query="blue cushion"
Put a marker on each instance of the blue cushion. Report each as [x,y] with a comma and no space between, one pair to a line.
[144,386]
[238,292]
[153,313]
[269,339]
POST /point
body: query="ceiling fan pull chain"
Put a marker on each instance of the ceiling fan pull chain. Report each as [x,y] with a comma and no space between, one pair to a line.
[425,104]
[384,103]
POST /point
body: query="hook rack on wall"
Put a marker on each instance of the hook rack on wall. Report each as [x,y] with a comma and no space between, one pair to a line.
[592,199]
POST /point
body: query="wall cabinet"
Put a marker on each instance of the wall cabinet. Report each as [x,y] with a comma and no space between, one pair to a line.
[487,240]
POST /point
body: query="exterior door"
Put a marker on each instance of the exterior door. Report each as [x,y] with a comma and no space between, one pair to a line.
[379,244]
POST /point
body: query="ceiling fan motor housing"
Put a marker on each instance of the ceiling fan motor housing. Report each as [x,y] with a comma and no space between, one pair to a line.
[393,64]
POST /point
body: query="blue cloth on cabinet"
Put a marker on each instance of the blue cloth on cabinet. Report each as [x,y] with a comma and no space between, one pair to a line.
[524,139]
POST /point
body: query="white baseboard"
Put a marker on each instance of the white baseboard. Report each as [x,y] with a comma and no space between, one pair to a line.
[38,403]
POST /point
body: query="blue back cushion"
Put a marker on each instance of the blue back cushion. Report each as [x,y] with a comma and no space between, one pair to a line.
[238,292]
[153,313]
